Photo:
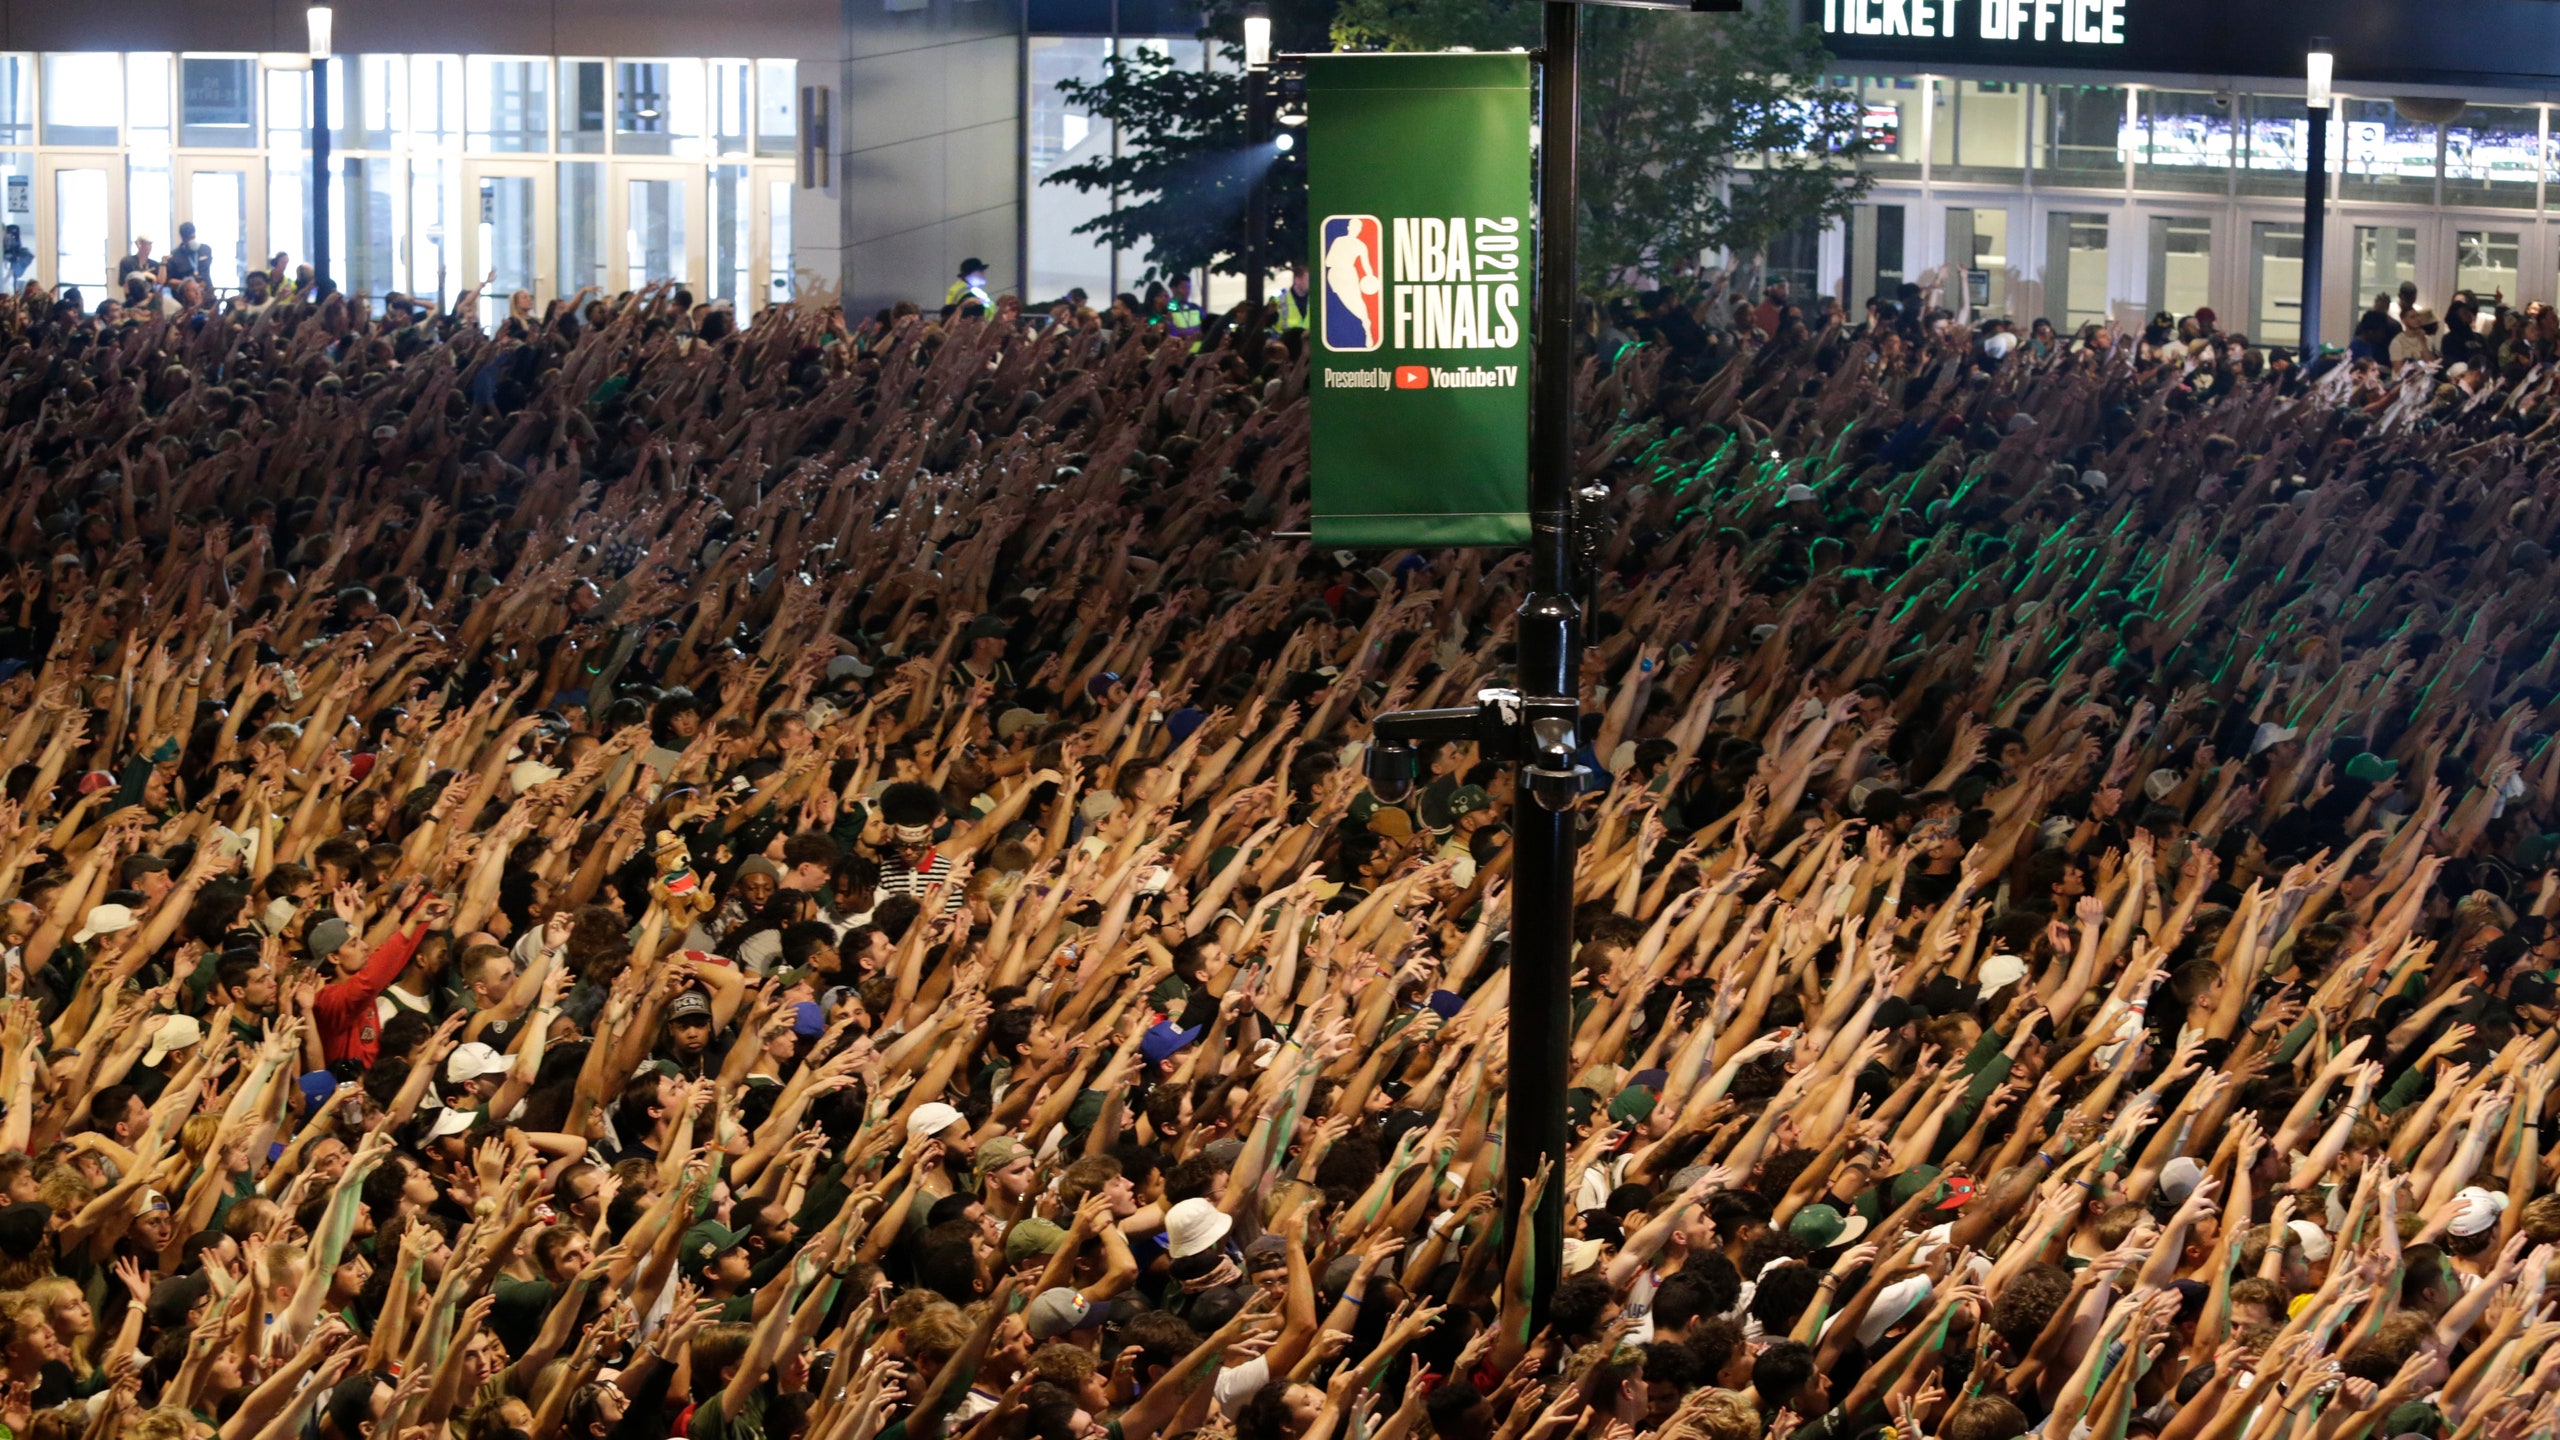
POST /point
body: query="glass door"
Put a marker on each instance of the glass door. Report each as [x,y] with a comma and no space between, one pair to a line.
[225,199]
[2275,282]
[659,229]
[80,223]
[2075,268]
[18,235]
[2488,260]
[2386,258]
[737,243]
[1978,261]
[777,278]
[507,235]
[750,239]
[2181,264]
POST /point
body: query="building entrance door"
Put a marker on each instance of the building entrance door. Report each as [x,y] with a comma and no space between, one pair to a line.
[506,233]
[226,200]
[658,231]
[80,225]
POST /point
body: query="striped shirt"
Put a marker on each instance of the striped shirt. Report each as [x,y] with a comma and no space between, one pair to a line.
[897,877]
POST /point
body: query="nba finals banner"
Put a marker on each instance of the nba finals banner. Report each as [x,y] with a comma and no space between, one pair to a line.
[1418,190]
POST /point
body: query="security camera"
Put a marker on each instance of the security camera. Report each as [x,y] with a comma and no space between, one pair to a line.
[1554,737]
[1389,765]
[1553,779]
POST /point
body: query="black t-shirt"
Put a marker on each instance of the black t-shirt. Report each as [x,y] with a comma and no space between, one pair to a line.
[1922,889]
[497,1033]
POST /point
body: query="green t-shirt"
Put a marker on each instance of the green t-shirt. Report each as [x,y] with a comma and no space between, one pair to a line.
[747,1424]
[517,1309]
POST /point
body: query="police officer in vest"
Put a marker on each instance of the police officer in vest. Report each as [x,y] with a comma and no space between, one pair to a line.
[1181,316]
[1294,301]
[971,286]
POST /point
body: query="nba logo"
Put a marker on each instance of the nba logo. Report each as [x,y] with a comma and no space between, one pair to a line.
[1354,246]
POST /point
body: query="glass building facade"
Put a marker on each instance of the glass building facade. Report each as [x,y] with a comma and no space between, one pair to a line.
[1062,134]
[2075,201]
[517,172]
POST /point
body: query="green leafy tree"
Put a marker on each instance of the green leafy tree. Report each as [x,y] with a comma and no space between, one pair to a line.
[1699,132]
[1184,172]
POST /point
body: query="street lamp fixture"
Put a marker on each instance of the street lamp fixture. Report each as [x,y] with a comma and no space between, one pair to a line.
[1258,104]
[2319,68]
[1257,35]
[321,20]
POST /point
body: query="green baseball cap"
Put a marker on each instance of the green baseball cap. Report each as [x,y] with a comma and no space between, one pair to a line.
[1030,1238]
[707,1242]
[1084,1112]
[1823,1226]
[2414,1417]
[995,1154]
[1912,1181]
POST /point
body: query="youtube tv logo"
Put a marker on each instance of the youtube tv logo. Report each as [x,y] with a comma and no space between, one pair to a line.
[1413,377]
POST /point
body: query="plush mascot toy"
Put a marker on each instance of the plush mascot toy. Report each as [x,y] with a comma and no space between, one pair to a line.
[685,896]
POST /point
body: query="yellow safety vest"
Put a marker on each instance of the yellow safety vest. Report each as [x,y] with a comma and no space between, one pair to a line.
[1293,310]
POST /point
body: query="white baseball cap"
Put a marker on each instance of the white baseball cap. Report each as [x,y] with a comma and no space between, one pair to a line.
[2475,1210]
[2313,1240]
[470,1062]
[105,920]
[176,1032]
[2180,1177]
[1998,973]
[2269,735]
[1891,1304]
[930,1118]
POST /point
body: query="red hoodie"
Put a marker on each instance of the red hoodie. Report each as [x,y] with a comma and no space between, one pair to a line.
[344,1009]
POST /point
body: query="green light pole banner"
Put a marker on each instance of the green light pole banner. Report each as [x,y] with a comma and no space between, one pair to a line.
[1418,181]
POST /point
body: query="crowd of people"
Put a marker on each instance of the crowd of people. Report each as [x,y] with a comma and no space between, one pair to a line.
[612,874]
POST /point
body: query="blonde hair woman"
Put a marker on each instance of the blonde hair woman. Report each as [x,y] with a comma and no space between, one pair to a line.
[75,1325]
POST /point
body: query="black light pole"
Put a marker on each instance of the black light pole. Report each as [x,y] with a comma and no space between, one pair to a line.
[1548,630]
[2317,67]
[1537,724]
[319,17]
[1534,725]
[1257,136]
